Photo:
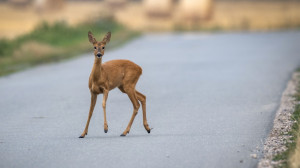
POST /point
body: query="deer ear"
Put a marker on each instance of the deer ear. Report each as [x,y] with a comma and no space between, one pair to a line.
[91,38]
[106,38]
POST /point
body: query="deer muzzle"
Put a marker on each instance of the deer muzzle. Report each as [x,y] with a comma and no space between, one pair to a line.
[99,55]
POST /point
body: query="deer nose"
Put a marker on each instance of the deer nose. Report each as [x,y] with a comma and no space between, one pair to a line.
[99,54]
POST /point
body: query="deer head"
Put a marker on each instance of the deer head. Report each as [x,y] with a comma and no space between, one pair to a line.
[99,47]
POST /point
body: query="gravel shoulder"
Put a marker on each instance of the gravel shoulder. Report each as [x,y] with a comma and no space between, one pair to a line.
[276,142]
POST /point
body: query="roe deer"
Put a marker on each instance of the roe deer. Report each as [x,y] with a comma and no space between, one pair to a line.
[123,74]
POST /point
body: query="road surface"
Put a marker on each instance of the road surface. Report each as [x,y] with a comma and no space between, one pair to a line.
[211,99]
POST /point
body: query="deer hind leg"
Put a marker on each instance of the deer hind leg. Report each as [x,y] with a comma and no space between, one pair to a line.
[133,98]
[93,102]
[105,95]
[142,99]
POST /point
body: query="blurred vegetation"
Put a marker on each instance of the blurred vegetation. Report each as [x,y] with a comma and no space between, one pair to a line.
[287,158]
[294,147]
[48,43]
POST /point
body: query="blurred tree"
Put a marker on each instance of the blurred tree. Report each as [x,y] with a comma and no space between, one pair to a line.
[19,2]
[158,8]
[116,4]
[45,5]
[196,9]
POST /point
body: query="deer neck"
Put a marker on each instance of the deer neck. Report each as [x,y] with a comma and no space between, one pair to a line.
[97,69]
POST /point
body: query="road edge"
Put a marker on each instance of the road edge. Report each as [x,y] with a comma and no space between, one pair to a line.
[279,137]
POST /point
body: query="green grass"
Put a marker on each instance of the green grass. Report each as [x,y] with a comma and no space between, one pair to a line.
[48,43]
[284,156]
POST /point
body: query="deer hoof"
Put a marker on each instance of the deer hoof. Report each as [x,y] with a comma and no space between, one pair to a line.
[149,130]
[105,131]
[81,136]
[122,135]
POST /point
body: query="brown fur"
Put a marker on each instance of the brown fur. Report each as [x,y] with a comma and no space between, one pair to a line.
[123,74]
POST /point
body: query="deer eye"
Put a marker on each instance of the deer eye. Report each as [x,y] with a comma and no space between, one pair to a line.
[103,48]
[95,48]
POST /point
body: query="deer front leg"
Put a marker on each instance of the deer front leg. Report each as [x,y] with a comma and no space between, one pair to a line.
[136,106]
[105,95]
[93,102]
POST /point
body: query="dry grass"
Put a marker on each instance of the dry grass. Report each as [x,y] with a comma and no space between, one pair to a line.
[40,35]
[39,50]
[227,16]
[16,21]
[257,16]
[196,9]
[295,159]
[294,155]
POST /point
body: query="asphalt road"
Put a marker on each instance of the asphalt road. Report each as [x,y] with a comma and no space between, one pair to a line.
[211,99]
